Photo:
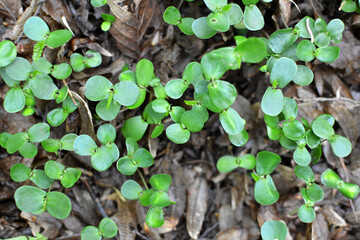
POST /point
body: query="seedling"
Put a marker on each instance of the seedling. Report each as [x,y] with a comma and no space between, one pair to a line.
[79,62]
[108,20]
[107,229]
[272,230]
[350,6]
[58,115]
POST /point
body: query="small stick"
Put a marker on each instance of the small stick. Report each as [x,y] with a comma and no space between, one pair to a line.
[69,92]
[342,5]
[296,5]
[93,197]
[309,29]
[323,99]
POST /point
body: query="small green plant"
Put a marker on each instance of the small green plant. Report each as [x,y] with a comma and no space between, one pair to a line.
[38,236]
[91,59]
[107,229]
[350,6]
[272,230]
[108,20]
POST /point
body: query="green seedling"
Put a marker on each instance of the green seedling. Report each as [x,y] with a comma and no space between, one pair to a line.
[67,176]
[7,52]
[20,173]
[331,180]
[38,236]
[274,230]
[24,141]
[65,143]
[58,115]
[350,6]
[98,3]
[108,20]
[227,164]
[107,229]
[79,62]
[34,200]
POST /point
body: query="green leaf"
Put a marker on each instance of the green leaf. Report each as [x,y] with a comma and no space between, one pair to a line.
[7,53]
[157,130]
[160,182]
[77,62]
[290,108]
[340,145]
[143,158]
[349,190]
[322,40]
[92,59]
[84,145]
[68,178]
[214,4]
[304,76]
[246,161]
[186,25]
[177,134]
[265,191]
[273,133]
[266,162]
[272,101]
[274,230]
[226,164]
[29,199]
[56,117]
[322,128]
[90,232]
[61,71]
[172,16]
[222,93]
[218,21]
[320,25]
[315,192]
[306,214]
[193,73]
[348,6]
[106,133]
[160,199]
[311,139]
[15,141]
[327,54]
[280,40]
[28,150]
[160,106]
[175,88]
[62,94]
[19,69]
[330,179]
[97,88]
[231,121]
[201,28]
[239,139]
[305,50]
[202,110]
[155,217]
[294,130]
[54,169]
[302,156]
[335,27]
[134,127]
[113,150]
[131,190]
[39,132]
[14,100]
[144,72]
[58,205]
[252,50]
[302,27]
[271,121]
[107,112]
[253,19]
[101,160]
[36,29]
[126,93]
[152,117]
[108,17]
[235,14]
[126,166]
[8,80]
[305,173]
[131,146]
[145,197]
[213,66]
[141,99]
[229,58]
[330,119]
[58,38]
[20,172]
[40,179]
[51,145]
[192,120]
[4,137]
[283,71]
[97,3]
[108,228]
[127,76]
[67,141]
[43,86]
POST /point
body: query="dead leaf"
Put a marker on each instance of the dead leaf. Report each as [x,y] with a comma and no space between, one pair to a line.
[320,230]
[285,10]
[233,233]
[50,224]
[197,204]
[11,8]
[131,23]
[333,217]
[226,217]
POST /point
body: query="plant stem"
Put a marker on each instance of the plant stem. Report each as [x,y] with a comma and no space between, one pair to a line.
[309,29]
[142,179]
[69,92]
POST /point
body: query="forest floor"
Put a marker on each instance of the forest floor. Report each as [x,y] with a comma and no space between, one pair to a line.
[209,204]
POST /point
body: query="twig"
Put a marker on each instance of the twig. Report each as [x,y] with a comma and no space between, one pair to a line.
[309,29]
[342,5]
[323,99]
[93,197]
[142,179]
[140,235]
[297,7]
[208,230]
[348,180]
[313,6]
[69,92]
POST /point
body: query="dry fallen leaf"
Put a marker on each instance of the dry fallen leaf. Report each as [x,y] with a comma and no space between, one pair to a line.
[320,230]
[197,204]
